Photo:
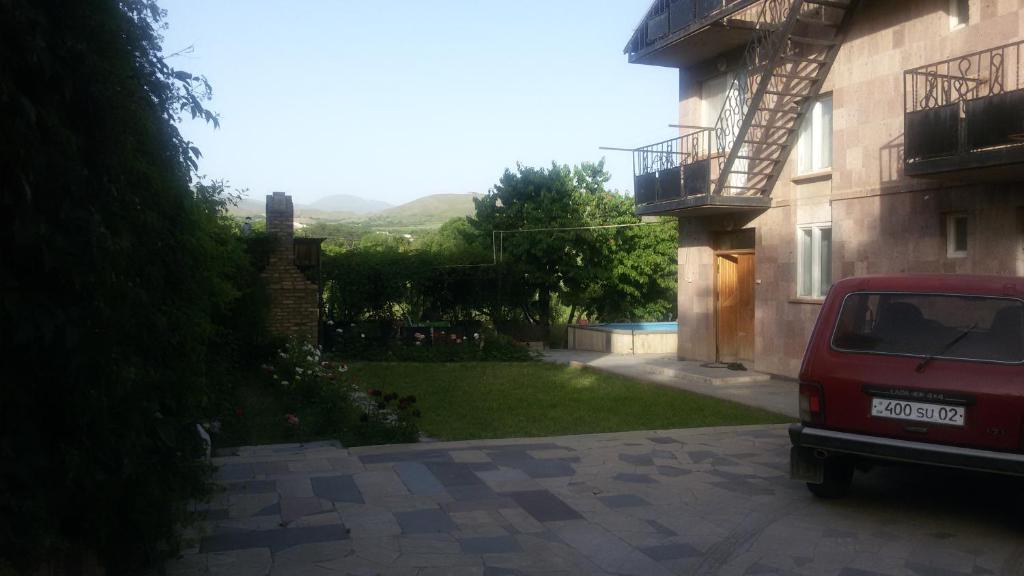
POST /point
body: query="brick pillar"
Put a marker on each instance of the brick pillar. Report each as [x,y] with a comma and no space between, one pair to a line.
[294,301]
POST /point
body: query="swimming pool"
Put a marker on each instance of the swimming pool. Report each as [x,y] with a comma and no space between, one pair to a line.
[642,326]
[625,337]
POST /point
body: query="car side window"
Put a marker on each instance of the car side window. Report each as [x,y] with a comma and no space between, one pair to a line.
[979,328]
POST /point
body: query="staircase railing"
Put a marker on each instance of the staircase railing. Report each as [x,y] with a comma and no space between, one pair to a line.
[760,57]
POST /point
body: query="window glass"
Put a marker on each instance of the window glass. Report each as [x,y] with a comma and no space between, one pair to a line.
[806,271]
[956,235]
[814,150]
[960,233]
[825,132]
[825,261]
[959,13]
[946,326]
[814,260]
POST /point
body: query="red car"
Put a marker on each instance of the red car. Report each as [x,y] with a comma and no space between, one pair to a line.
[922,369]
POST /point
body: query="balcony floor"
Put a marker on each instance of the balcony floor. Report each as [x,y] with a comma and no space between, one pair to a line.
[704,205]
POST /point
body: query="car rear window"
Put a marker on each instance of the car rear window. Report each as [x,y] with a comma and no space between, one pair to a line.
[941,325]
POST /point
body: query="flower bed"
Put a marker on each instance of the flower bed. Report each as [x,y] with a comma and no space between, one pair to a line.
[302,395]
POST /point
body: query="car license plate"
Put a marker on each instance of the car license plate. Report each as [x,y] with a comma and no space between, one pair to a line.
[918,411]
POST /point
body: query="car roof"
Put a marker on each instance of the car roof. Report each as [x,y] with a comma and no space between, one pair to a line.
[939,283]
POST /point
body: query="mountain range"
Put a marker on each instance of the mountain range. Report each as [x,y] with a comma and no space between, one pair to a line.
[428,211]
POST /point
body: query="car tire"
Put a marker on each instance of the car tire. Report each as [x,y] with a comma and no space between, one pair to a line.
[838,475]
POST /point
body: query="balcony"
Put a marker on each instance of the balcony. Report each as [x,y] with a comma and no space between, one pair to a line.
[677,33]
[677,176]
[964,117]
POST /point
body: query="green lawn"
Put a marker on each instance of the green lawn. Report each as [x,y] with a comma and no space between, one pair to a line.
[503,400]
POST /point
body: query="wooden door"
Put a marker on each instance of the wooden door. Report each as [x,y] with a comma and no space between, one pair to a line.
[735,306]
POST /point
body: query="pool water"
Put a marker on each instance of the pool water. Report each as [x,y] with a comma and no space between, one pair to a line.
[639,326]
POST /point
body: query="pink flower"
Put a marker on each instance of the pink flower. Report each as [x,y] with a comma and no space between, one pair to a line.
[292,419]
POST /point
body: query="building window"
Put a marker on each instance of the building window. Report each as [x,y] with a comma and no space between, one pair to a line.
[814,260]
[815,152]
[712,98]
[956,235]
[959,13]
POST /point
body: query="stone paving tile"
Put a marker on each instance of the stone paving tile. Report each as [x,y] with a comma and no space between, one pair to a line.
[672,471]
[230,472]
[607,551]
[663,440]
[294,508]
[299,487]
[337,489]
[492,545]
[496,503]
[424,521]
[671,551]
[508,480]
[634,478]
[462,493]
[270,468]
[250,487]
[454,474]
[544,506]
[418,479]
[637,459]
[275,540]
[409,456]
[547,468]
[623,501]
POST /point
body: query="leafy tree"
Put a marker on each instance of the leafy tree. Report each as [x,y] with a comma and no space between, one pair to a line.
[123,286]
[533,199]
[552,245]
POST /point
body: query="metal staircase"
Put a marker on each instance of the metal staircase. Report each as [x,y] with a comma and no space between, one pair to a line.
[786,64]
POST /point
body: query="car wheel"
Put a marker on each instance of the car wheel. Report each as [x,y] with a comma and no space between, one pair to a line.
[838,475]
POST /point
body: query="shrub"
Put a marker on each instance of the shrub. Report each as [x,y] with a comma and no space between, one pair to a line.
[320,402]
[122,282]
[444,346]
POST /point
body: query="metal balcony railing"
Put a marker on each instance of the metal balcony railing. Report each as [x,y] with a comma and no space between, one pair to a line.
[970,103]
[673,169]
[668,18]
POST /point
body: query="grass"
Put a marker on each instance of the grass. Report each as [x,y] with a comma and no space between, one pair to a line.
[467,401]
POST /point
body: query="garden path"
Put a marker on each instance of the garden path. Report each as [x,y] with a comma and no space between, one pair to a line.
[697,501]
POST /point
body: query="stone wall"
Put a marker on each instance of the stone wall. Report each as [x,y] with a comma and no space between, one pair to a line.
[882,221]
[294,301]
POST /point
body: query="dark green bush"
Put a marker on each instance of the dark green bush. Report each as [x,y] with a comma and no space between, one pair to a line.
[126,295]
[353,345]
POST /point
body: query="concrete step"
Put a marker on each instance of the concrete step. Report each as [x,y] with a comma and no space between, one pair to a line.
[696,373]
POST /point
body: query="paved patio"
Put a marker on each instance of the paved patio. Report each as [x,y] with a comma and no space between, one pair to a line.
[702,501]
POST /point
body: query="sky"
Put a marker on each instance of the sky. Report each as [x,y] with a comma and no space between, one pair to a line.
[400,99]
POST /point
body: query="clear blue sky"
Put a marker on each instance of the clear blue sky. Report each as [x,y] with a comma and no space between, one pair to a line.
[399,99]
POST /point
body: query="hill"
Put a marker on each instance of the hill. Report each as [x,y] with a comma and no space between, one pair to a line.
[434,209]
[347,203]
[427,212]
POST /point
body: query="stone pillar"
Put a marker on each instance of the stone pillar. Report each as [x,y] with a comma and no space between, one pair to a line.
[294,300]
[696,295]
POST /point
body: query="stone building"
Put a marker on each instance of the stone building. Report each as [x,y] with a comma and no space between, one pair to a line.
[822,139]
[293,264]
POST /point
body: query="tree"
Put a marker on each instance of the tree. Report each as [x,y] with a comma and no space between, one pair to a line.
[120,278]
[547,222]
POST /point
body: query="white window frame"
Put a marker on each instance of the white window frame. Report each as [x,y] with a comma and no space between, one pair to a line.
[817,292]
[951,235]
[814,128]
[955,22]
